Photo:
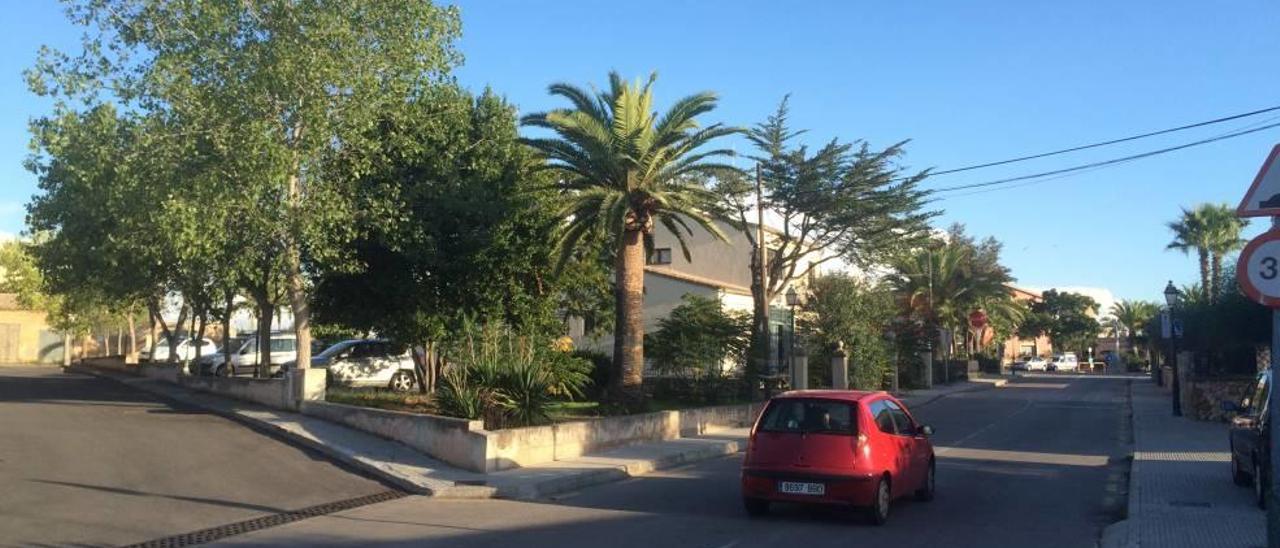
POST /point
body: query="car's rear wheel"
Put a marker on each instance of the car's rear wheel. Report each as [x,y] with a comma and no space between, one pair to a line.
[926,490]
[879,511]
[1238,475]
[403,381]
[755,507]
[1259,485]
[224,370]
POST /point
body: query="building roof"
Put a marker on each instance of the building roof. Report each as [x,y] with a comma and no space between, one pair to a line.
[1025,293]
[700,280]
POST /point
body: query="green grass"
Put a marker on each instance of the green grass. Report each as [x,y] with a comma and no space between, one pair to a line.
[576,410]
[382,399]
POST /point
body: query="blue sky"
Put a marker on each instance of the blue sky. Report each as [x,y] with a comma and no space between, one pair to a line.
[966,82]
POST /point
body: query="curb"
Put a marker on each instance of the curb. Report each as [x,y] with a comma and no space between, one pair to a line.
[522,491]
[283,434]
[977,385]
[632,468]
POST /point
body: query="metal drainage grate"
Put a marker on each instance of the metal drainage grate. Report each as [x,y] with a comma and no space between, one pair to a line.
[250,525]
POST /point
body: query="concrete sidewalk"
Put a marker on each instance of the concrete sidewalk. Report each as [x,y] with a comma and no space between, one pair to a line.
[921,397]
[1180,488]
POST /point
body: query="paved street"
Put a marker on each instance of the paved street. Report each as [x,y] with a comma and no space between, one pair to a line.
[1025,465]
[85,460]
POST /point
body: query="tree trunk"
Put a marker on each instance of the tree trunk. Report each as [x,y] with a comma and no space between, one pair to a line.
[133,337]
[628,340]
[226,330]
[198,338]
[266,311]
[1215,292]
[1205,279]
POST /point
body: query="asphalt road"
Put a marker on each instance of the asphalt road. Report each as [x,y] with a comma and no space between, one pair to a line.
[1026,465]
[87,461]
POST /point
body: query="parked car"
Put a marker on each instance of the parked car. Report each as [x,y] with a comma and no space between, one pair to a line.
[1032,363]
[1250,460]
[186,350]
[1064,362]
[244,359]
[837,447]
[366,362]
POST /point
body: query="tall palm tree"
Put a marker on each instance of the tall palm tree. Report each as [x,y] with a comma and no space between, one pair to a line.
[1134,316]
[1192,232]
[623,170]
[938,286]
[1224,228]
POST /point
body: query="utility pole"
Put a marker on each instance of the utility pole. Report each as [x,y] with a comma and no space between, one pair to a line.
[1273,455]
[762,262]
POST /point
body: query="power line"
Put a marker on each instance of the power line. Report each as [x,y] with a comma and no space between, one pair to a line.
[1043,180]
[1106,143]
[1107,162]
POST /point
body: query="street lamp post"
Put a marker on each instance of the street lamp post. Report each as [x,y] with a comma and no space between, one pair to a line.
[793,300]
[1171,295]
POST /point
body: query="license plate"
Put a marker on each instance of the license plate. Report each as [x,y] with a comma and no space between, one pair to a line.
[800,488]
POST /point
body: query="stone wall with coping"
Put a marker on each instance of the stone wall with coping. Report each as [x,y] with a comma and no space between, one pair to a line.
[1202,398]
[273,393]
[459,442]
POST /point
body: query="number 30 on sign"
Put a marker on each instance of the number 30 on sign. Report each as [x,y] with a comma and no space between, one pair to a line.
[1258,270]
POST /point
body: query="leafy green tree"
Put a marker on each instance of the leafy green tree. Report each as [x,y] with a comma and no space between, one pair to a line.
[844,309]
[1067,318]
[841,201]
[468,234]
[298,81]
[698,338]
[623,170]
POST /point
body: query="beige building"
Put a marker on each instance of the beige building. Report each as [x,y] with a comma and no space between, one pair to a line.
[716,269]
[25,337]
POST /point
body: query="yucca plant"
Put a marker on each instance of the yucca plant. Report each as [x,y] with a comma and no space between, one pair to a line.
[625,169]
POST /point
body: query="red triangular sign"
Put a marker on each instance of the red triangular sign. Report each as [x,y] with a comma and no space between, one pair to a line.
[1263,198]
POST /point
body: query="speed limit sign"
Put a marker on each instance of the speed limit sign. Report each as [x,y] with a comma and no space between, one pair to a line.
[1258,269]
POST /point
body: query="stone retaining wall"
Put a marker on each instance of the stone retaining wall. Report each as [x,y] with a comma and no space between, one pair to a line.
[459,442]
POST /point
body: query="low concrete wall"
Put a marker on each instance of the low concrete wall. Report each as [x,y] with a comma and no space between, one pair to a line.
[517,447]
[459,442]
[160,372]
[269,392]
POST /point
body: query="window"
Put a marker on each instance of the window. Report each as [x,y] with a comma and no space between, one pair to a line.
[884,417]
[1258,403]
[809,416]
[283,345]
[661,255]
[364,350]
[900,419]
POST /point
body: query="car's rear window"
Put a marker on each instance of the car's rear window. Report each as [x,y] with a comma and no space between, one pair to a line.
[809,416]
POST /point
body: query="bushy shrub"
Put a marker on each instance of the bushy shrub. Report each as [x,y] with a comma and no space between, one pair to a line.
[505,378]
[698,338]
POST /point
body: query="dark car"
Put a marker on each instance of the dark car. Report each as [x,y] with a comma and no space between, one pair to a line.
[1248,437]
[831,447]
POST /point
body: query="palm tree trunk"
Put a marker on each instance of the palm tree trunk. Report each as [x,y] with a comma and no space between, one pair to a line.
[1205,279]
[628,340]
[1216,290]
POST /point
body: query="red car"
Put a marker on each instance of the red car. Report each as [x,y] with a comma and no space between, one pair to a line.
[837,447]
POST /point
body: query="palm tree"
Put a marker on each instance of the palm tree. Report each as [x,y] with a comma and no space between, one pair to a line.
[938,286]
[1134,316]
[623,170]
[1224,228]
[1192,231]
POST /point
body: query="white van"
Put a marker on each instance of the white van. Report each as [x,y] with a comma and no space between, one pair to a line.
[244,360]
[1065,362]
